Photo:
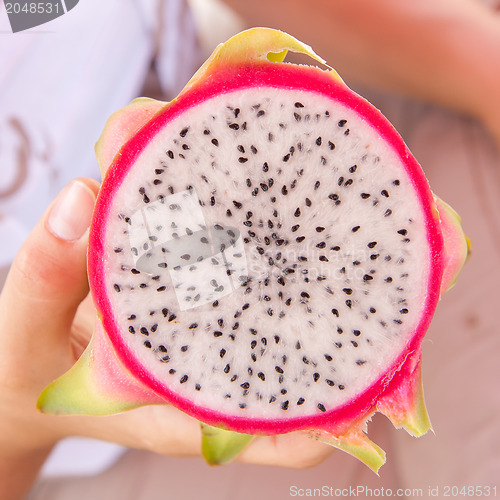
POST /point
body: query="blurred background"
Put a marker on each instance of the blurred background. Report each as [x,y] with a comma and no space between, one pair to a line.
[432,67]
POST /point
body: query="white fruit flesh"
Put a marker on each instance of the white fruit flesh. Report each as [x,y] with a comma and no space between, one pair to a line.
[325,269]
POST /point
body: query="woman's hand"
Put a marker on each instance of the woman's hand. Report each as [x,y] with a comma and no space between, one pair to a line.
[46,321]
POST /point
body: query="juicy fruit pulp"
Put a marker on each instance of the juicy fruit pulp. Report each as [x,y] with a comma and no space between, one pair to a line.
[266,255]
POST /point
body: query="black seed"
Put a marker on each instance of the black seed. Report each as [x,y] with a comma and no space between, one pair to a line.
[217,333]
[365,196]
[305,295]
[342,123]
[384,193]
[147,344]
[184,348]
[234,126]
[388,212]
[367,277]
[397,321]
[131,329]
[300,401]
[374,256]
[284,405]
[404,311]
[335,312]
[356,333]
[347,291]
[117,287]
[222,353]
[318,141]
[255,191]
[245,385]
[260,113]
[299,105]
[388,279]
[348,303]
[316,376]
[308,202]
[396,182]
[183,379]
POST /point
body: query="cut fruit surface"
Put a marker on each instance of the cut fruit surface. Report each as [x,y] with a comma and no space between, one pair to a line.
[266,254]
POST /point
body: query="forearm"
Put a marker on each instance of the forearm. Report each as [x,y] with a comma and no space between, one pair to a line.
[19,470]
[26,439]
[443,51]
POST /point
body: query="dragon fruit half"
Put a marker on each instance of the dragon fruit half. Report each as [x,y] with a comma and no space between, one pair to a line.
[266,255]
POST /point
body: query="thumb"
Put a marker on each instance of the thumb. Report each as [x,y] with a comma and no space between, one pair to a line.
[47,280]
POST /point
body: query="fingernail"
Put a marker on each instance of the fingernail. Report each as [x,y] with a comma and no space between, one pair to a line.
[71,214]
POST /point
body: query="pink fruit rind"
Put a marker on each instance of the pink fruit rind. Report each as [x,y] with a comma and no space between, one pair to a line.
[280,75]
